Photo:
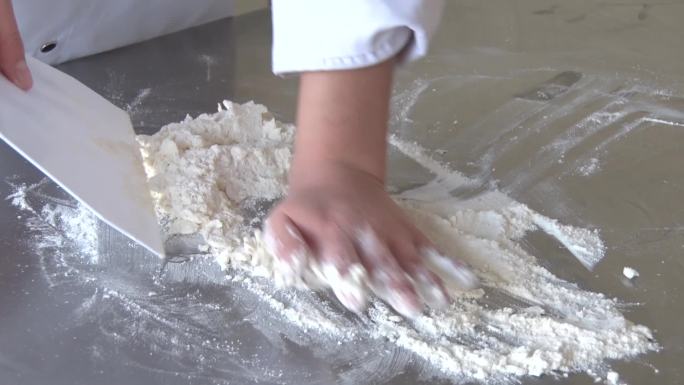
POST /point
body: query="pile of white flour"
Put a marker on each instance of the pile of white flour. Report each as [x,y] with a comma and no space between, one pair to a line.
[208,173]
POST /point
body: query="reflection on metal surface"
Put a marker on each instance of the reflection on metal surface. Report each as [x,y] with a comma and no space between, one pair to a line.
[180,322]
[553,87]
[605,153]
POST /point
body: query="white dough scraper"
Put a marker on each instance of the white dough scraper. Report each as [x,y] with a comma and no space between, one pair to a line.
[86,145]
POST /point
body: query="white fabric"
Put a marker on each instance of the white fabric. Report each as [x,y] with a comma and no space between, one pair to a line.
[310,35]
[84,27]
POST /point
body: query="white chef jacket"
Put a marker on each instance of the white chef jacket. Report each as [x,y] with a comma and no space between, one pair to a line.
[313,35]
[308,34]
[85,27]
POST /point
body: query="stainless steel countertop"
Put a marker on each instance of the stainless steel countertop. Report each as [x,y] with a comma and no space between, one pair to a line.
[505,82]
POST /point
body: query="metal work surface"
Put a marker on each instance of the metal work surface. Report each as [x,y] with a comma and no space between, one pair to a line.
[574,108]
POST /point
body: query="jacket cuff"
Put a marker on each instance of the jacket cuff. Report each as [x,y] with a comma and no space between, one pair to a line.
[314,35]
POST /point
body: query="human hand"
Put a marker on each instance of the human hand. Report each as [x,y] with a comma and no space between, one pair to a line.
[337,211]
[12,62]
[360,238]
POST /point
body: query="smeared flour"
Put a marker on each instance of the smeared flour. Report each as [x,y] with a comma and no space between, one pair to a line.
[228,166]
[207,175]
[67,220]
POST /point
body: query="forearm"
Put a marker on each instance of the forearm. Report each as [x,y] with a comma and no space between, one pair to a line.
[12,61]
[342,118]
[337,211]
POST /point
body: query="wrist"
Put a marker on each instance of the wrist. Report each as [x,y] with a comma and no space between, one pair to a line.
[308,159]
[308,169]
[342,122]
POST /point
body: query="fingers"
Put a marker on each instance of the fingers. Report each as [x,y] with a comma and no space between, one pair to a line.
[405,275]
[430,288]
[342,269]
[284,241]
[427,284]
[12,61]
[387,279]
[454,273]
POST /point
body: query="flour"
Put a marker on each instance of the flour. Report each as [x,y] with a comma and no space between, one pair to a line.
[202,170]
[207,173]
[629,272]
[68,222]
[590,167]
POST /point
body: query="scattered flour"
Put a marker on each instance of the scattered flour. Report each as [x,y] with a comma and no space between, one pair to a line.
[207,173]
[76,224]
[629,272]
[612,378]
[590,167]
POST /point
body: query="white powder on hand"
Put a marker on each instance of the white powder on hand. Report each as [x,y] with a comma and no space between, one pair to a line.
[206,172]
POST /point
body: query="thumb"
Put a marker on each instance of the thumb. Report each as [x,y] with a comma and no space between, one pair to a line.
[12,61]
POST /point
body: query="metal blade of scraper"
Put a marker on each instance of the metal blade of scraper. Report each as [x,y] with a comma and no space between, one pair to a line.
[86,145]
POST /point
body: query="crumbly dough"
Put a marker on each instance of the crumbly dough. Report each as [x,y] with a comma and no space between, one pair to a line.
[208,173]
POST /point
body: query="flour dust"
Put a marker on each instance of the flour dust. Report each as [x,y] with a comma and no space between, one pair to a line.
[219,314]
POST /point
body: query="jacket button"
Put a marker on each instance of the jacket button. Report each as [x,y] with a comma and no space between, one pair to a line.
[47,47]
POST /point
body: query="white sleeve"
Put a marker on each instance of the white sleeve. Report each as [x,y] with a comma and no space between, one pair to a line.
[314,35]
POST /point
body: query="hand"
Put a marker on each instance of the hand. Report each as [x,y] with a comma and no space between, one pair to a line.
[343,219]
[337,217]
[12,62]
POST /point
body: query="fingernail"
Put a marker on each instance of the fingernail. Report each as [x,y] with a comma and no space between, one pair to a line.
[294,233]
[350,287]
[405,303]
[22,76]
[451,270]
[399,298]
[429,290]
